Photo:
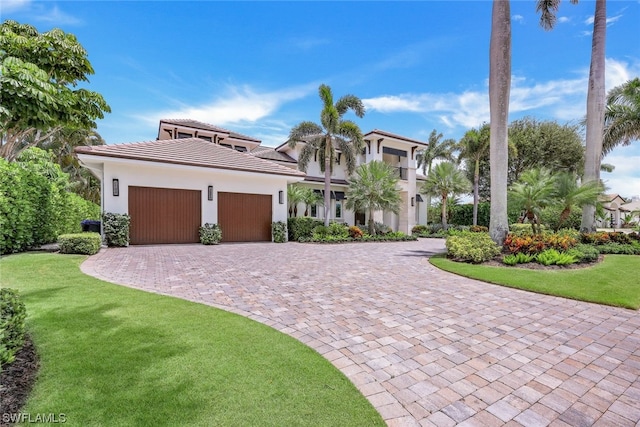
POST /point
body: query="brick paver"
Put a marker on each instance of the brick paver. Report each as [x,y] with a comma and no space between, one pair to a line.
[424,346]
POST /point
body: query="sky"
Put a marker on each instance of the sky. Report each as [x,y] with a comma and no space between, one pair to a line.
[255,67]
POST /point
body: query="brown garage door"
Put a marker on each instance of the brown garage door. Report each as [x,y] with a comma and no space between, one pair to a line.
[244,217]
[164,215]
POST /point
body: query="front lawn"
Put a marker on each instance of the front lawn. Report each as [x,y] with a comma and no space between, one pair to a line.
[116,356]
[611,282]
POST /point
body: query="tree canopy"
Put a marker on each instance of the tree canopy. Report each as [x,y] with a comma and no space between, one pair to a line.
[39,77]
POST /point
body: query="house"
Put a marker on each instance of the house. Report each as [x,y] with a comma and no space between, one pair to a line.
[612,204]
[395,150]
[192,174]
[196,173]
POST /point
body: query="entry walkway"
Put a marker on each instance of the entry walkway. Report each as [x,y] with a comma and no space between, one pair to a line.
[424,346]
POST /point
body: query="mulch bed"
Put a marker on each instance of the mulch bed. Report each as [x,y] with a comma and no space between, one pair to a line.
[497,262]
[17,379]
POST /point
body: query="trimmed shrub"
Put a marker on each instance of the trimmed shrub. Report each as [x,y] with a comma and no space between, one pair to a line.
[479,229]
[584,253]
[81,243]
[116,229]
[301,228]
[463,214]
[381,228]
[12,327]
[550,217]
[278,231]
[471,247]
[210,234]
[618,249]
[419,229]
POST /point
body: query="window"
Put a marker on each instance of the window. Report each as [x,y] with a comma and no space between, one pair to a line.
[338,208]
[240,148]
[184,135]
[206,138]
[227,145]
[314,211]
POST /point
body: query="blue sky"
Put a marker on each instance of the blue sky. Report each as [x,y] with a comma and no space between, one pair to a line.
[254,67]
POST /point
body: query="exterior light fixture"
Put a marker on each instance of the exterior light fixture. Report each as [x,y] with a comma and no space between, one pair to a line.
[413,201]
[116,187]
[281,197]
[210,192]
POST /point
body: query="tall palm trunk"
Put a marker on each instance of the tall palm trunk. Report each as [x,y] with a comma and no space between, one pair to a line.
[476,196]
[595,111]
[499,89]
[444,211]
[327,180]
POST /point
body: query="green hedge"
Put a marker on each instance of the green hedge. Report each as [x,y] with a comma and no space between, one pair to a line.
[301,227]
[80,243]
[210,234]
[35,206]
[467,246]
[279,231]
[116,229]
[12,327]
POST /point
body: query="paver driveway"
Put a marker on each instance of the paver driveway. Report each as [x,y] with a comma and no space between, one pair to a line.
[425,347]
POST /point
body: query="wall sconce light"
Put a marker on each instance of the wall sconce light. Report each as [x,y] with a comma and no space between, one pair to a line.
[210,192]
[116,187]
[413,201]
[281,197]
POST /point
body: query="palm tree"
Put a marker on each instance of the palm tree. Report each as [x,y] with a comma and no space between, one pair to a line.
[531,193]
[373,188]
[436,150]
[569,194]
[294,196]
[446,180]
[334,132]
[310,198]
[499,89]
[595,97]
[474,146]
[622,116]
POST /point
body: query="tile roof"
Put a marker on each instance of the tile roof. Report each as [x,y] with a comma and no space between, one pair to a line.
[270,153]
[206,126]
[393,135]
[190,152]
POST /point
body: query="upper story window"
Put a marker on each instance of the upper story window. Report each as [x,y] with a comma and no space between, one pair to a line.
[185,135]
[240,148]
[206,138]
[227,145]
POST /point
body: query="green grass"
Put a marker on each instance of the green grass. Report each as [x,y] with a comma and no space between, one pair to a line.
[116,356]
[611,282]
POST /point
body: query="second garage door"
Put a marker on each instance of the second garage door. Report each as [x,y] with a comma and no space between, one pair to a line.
[164,215]
[245,217]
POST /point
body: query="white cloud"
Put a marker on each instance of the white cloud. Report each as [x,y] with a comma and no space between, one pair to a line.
[9,6]
[563,99]
[518,18]
[236,106]
[610,21]
[563,20]
[56,16]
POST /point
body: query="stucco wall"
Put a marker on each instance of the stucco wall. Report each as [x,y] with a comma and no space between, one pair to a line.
[147,174]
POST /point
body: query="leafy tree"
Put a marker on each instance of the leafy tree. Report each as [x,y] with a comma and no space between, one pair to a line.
[474,147]
[622,116]
[532,193]
[333,133]
[446,181]
[569,194]
[499,89]
[437,149]
[373,188]
[39,73]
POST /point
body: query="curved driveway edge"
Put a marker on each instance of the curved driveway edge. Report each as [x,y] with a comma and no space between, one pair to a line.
[424,346]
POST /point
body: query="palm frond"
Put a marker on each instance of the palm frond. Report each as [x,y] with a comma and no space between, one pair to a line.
[302,132]
[350,102]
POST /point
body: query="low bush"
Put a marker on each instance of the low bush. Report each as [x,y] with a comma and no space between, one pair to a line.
[338,229]
[535,243]
[584,253]
[471,247]
[279,231]
[301,228]
[524,229]
[355,232]
[618,249]
[552,256]
[510,259]
[210,234]
[116,229]
[419,229]
[381,228]
[479,229]
[12,325]
[80,243]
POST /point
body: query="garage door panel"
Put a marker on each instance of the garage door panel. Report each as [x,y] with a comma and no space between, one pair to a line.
[164,215]
[245,217]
